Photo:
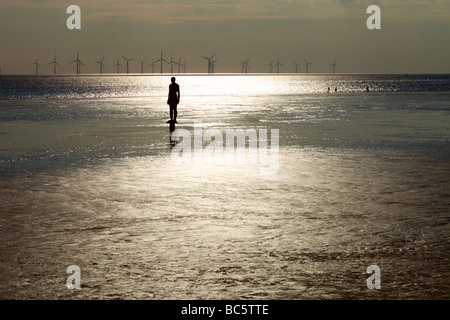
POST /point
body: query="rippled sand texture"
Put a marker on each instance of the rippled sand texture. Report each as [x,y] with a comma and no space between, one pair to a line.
[144,228]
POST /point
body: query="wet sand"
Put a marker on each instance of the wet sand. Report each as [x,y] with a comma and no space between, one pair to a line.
[142,228]
[87,179]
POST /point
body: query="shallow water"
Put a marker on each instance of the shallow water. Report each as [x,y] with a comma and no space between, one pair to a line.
[363,180]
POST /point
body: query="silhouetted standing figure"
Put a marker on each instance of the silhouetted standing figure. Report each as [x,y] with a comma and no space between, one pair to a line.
[173,99]
[367,89]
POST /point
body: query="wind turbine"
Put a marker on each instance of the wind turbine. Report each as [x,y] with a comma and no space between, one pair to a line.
[270,66]
[142,66]
[152,65]
[307,65]
[161,60]
[118,65]
[54,64]
[171,63]
[213,64]
[296,67]
[209,63]
[242,66]
[184,66]
[79,63]
[333,65]
[179,65]
[128,60]
[37,64]
[101,64]
[278,64]
[245,65]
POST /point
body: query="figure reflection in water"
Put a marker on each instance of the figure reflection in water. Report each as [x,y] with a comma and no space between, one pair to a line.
[173,100]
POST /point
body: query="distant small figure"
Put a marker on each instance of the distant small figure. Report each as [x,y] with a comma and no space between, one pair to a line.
[335,89]
[328,89]
[173,99]
[367,89]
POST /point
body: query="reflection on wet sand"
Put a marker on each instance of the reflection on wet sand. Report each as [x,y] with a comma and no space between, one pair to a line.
[145,229]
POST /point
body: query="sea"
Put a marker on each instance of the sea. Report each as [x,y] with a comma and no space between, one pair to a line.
[92,177]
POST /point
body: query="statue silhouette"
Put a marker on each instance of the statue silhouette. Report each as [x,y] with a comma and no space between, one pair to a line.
[173,100]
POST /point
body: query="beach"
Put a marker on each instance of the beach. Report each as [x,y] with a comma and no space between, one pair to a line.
[88,179]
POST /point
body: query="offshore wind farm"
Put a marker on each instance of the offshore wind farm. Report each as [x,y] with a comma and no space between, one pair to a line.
[173,66]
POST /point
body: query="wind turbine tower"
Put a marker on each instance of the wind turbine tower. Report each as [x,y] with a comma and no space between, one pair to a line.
[242,66]
[142,67]
[36,64]
[101,64]
[171,63]
[54,64]
[246,65]
[296,67]
[277,65]
[118,65]
[179,65]
[79,63]
[210,66]
[127,60]
[161,60]
[307,65]
[213,64]
[333,65]
[152,65]
[270,65]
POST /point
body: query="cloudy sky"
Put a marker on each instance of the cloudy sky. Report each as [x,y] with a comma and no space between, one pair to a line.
[414,35]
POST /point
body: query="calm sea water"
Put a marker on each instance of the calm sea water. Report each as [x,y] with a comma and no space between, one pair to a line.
[87,179]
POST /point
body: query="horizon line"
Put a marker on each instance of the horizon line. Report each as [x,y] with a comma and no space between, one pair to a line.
[217,74]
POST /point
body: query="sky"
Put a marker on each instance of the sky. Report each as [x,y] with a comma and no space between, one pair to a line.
[414,35]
